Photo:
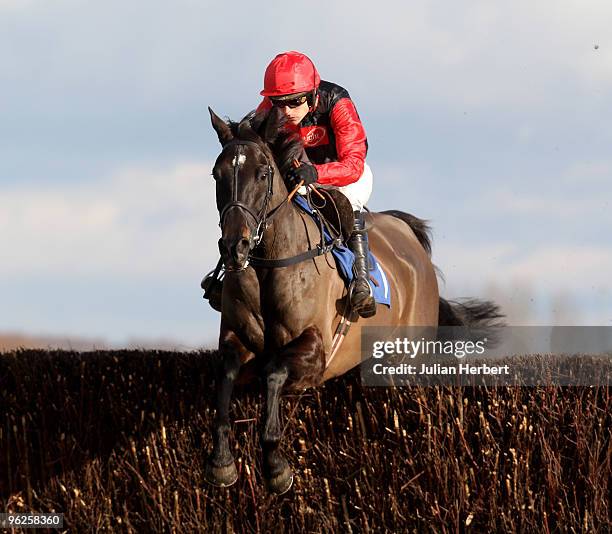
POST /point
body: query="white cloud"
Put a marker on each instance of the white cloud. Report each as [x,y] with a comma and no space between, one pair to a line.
[474,54]
[466,265]
[589,174]
[580,269]
[581,191]
[70,62]
[142,221]
[548,205]
[547,285]
[10,5]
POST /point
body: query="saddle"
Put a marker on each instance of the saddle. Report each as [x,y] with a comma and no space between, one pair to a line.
[335,210]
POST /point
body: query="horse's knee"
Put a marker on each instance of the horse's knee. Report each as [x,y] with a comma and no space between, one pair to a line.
[233,354]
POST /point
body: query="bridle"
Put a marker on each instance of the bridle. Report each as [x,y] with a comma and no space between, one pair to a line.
[264,216]
[261,217]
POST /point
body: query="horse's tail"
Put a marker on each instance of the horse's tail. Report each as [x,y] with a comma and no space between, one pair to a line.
[470,313]
[476,320]
[421,229]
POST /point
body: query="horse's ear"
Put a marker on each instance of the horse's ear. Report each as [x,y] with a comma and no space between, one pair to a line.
[274,123]
[221,127]
[259,119]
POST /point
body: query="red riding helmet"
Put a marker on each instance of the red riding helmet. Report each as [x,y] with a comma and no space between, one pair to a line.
[289,73]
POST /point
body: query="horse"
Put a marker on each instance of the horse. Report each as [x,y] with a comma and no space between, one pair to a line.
[278,317]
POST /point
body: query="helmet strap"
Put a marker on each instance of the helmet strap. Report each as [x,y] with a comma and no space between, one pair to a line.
[313,100]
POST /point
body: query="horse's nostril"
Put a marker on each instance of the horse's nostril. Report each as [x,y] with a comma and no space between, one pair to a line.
[234,251]
[223,248]
[241,248]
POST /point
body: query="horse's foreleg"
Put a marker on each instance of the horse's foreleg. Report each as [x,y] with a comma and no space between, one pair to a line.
[299,364]
[221,468]
[276,468]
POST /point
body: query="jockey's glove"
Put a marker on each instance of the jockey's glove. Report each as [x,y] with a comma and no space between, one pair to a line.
[305,171]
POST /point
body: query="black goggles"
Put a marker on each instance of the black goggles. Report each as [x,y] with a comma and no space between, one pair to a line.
[289,102]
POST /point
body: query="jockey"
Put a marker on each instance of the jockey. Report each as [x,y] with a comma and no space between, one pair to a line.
[335,143]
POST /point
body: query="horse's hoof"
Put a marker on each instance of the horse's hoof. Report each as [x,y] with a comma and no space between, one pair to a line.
[281,483]
[222,477]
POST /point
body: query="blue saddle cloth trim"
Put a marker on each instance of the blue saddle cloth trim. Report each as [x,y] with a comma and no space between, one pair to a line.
[345,258]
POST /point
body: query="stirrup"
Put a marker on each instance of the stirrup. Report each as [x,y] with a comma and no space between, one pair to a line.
[212,285]
[367,306]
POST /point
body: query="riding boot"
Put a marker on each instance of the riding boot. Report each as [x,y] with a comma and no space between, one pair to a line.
[213,289]
[362,300]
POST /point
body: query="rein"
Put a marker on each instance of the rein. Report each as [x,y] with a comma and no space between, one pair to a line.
[264,216]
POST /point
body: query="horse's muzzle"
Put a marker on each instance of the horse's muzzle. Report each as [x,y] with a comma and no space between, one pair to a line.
[235,253]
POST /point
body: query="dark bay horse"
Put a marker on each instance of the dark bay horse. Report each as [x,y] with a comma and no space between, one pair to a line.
[280,321]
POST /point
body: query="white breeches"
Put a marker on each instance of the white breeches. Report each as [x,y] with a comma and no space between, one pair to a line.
[358,192]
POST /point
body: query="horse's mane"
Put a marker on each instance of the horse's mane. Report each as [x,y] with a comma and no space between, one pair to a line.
[245,129]
[268,129]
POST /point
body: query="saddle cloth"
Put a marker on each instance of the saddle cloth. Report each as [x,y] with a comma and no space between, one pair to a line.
[345,258]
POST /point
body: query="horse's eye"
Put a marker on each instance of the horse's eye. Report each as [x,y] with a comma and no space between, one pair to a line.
[262,174]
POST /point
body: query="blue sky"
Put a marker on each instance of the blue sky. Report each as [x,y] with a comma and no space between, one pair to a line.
[492,120]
